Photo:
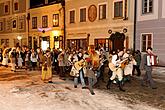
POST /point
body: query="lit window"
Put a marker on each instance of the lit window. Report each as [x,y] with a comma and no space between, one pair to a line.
[14,23]
[55,20]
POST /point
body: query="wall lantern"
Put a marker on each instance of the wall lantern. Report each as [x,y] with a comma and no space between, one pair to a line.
[124,30]
[19,37]
[110,31]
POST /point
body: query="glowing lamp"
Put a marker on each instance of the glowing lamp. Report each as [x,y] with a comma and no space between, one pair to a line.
[19,37]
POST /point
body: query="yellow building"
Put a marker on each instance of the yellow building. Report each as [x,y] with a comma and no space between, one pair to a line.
[46,26]
[103,23]
[13,23]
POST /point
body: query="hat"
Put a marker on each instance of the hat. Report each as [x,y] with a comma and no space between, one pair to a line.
[47,50]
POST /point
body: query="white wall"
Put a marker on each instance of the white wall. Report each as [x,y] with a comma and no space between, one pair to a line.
[163,8]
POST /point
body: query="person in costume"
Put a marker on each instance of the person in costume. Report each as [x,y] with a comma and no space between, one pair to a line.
[89,73]
[117,71]
[148,60]
[5,57]
[47,67]
[12,57]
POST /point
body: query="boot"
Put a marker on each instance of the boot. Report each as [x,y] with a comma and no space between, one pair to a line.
[120,86]
[109,84]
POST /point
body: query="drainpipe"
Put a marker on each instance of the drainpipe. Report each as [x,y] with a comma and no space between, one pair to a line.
[135,15]
[63,6]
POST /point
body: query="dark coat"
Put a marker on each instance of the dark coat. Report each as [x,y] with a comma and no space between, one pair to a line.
[146,67]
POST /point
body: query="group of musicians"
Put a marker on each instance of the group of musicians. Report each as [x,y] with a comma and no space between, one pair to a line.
[89,65]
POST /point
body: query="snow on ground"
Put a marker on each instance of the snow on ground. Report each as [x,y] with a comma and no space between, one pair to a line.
[32,94]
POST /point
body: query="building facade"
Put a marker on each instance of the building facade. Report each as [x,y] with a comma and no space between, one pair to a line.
[150,27]
[102,23]
[46,24]
[13,23]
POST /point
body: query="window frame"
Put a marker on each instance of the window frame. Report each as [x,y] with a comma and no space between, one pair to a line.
[114,9]
[5,8]
[34,22]
[14,6]
[81,20]
[21,24]
[141,41]
[74,18]
[14,27]
[54,18]
[99,11]
[148,7]
[45,21]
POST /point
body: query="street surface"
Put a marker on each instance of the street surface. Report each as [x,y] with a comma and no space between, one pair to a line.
[24,90]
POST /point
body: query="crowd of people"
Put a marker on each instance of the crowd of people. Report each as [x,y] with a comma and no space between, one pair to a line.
[85,66]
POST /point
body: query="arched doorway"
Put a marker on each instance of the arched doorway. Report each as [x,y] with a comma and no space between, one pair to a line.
[117,40]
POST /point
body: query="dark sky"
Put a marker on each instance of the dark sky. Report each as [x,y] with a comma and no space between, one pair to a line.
[35,3]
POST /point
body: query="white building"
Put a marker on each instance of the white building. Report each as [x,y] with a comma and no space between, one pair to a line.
[150,27]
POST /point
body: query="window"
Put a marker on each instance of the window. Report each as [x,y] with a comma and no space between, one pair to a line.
[77,43]
[102,11]
[14,23]
[147,6]
[72,16]
[5,42]
[1,26]
[16,6]
[6,8]
[55,20]
[83,15]
[45,21]
[58,42]
[146,41]
[105,43]
[46,1]
[34,22]
[118,9]
[8,25]
[21,24]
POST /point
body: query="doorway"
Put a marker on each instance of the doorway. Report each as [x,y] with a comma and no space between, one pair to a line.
[117,41]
